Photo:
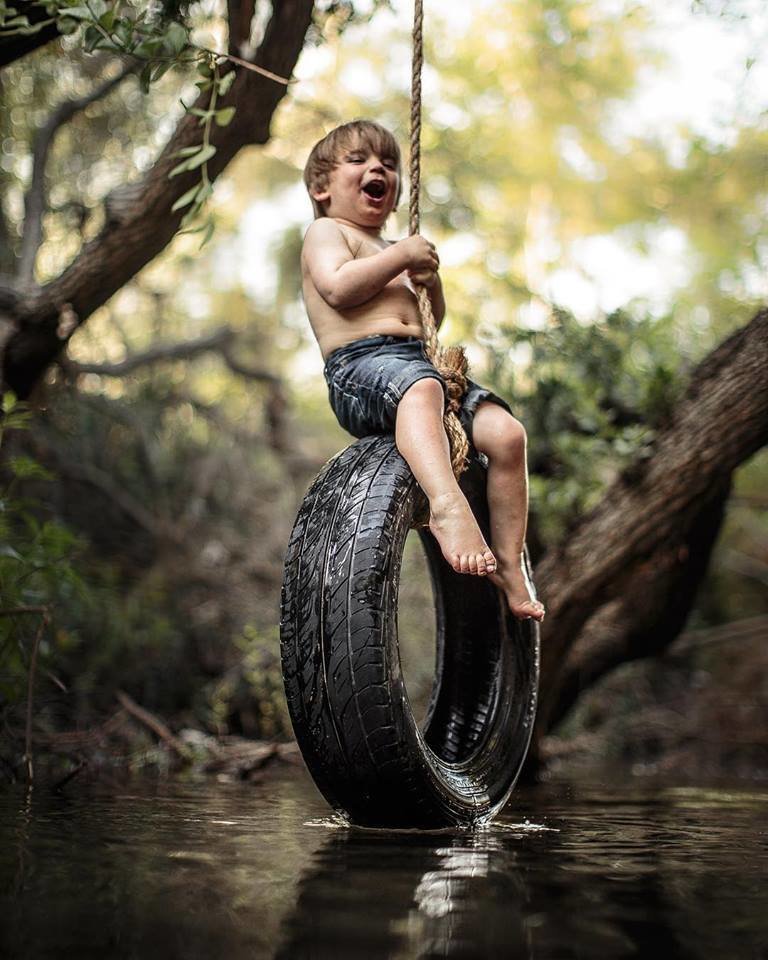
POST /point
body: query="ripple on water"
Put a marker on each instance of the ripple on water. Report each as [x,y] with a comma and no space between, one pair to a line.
[207,870]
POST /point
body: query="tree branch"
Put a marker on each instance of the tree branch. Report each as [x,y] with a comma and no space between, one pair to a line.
[159,354]
[154,723]
[240,16]
[647,619]
[665,506]
[139,222]
[248,372]
[35,201]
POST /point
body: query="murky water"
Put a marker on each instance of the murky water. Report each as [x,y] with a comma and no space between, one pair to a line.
[210,870]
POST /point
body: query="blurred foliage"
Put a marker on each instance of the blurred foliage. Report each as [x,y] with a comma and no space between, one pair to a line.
[592,397]
[36,562]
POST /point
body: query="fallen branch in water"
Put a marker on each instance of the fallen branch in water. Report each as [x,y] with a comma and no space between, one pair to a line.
[154,724]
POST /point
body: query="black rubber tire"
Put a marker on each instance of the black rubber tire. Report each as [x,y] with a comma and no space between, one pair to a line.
[341,665]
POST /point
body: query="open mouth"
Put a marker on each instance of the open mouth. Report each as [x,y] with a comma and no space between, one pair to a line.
[375,189]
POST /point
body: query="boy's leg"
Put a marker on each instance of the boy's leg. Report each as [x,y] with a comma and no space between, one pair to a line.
[501,437]
[421,439]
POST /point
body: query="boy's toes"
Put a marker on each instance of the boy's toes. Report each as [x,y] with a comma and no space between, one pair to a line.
[464,564]
[490,562]
[472,562]
[482,566]
[528,610]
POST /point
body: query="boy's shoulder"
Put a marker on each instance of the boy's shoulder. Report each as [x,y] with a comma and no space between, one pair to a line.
[323,232]
[323,227]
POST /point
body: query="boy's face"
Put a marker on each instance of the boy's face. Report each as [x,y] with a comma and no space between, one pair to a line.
[362,188]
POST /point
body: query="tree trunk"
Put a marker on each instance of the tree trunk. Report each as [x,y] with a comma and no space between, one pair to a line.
[36,324]
[623,583]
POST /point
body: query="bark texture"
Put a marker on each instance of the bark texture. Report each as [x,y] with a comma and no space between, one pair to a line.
[623,583]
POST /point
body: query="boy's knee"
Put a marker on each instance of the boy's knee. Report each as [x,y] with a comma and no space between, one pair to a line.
[426,390]
[498,434]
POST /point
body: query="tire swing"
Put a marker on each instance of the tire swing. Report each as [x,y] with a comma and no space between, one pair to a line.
[339,642]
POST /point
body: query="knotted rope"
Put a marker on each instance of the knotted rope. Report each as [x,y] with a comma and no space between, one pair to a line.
[451,362]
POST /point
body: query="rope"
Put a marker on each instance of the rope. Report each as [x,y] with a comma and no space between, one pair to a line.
[451,362]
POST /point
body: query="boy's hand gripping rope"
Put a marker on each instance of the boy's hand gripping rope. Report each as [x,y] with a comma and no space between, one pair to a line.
[451,362]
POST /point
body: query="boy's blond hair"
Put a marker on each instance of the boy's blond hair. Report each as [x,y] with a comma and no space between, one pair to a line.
[326,152]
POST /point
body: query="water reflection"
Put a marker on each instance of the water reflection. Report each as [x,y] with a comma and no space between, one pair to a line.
[211,870]
[392,895]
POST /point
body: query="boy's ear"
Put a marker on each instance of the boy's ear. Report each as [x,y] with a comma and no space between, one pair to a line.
[320,196]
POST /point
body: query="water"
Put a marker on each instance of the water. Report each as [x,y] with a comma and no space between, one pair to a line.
[213,870]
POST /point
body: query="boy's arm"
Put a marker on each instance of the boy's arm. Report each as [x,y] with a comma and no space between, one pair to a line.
[344,282]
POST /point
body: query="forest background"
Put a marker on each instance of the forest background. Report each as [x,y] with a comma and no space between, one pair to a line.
[595,181]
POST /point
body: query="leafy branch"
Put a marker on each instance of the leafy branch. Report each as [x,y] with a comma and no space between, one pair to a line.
[137,31]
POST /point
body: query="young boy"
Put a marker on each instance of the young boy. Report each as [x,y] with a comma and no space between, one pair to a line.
[358,290]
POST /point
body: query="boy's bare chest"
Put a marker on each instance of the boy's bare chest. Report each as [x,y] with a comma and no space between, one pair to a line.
[361,245]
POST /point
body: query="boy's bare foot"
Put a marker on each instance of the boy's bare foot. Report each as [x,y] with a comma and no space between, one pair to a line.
[514,583]
[454,527]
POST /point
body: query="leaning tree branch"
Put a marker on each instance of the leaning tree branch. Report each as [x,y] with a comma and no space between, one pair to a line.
[647,619]
[665,504]
[239,16]
[248,372]
[139,221]
[35,201]
[158,354]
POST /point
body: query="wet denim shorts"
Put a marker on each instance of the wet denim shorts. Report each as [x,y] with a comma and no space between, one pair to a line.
[367,379]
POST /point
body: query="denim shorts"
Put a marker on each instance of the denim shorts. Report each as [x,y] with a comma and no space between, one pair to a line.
[367,379]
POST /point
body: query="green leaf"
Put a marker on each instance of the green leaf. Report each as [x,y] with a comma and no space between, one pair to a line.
[224,116]
[107,20]
[186,198]
[191,230]
[176,38]
[202,157]
[145,77]
[149,48]
[9,401]
[65,26]
[92,39]
[180,168]
[25,467]
[78,13]
[209,229]
[161,69]
[189,151]
[124,32]
[226,82]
